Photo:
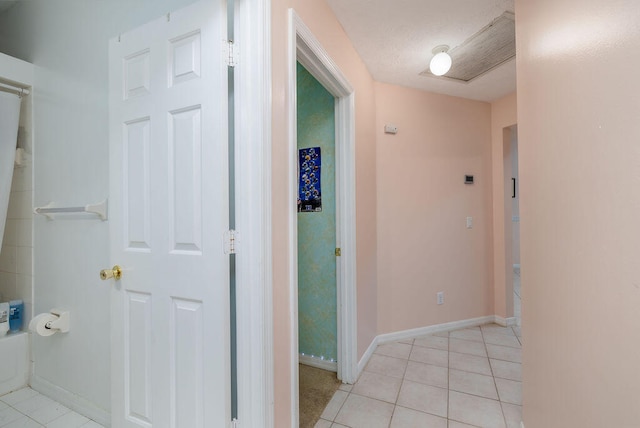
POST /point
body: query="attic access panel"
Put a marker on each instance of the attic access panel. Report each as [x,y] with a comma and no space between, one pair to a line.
[490,47]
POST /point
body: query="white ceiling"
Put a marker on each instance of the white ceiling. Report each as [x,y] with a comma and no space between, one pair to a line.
[395,39]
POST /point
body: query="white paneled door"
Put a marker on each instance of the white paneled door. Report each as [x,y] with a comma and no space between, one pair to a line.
[168,214]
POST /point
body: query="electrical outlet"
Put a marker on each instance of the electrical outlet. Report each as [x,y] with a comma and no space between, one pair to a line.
[440,297]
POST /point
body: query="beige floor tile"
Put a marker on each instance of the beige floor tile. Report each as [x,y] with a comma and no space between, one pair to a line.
[467,347]
[496,329]
[512,414]
[442,334]
[436,342]
[380,387]
[456,424]
[436,357]
[9,415]
[469,363]
[69,420]
[339,426]
[517,331]
[364,412]
[506,369]
[19,395]
[23,422]
[467,334]
[387,366]
[322,424]
[397,350]
[510,391]
[475,410]
[472,383]
[334,405]
[504,353]
[424,398]
[407,341]
[502,339]
[427,374]
[409,418]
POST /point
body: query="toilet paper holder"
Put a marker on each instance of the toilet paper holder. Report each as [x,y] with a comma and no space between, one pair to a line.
[61,323]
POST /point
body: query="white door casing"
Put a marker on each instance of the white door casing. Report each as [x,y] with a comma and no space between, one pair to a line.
[168,213]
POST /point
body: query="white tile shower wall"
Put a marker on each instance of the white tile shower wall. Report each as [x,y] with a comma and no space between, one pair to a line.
[16,255]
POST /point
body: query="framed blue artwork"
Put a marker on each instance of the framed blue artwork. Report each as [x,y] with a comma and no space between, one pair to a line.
[309,188]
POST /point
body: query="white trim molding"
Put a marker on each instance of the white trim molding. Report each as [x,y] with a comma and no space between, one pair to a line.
[418,332]
[252,92]
[317,362]
[71,400]
[506,322]
[305,48]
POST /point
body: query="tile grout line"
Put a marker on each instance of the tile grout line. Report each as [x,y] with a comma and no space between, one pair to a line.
[504,418]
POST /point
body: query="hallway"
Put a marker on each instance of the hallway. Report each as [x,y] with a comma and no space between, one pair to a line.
[464,378]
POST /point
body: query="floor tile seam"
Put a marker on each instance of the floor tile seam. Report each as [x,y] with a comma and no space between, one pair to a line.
[465,423]
[372,398]
[506,346]
[476,395]
[480,396]
[495,384]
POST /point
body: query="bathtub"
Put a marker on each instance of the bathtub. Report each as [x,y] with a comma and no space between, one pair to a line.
[14,359]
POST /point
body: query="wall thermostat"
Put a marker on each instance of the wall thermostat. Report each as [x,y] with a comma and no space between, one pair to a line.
[468,179]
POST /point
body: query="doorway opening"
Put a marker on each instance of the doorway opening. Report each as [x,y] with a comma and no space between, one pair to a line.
[306,50]
[512,224]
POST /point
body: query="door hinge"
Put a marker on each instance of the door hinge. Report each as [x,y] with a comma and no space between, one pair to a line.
[338,252]
[234,423]
[230,53]
[231,238]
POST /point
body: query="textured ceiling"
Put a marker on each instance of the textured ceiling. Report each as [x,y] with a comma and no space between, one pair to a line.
[395,39]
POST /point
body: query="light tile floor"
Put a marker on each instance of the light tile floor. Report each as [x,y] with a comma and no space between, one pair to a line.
[460,379]
[26,408]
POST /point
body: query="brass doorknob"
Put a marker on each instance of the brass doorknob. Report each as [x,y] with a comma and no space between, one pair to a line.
[115,272]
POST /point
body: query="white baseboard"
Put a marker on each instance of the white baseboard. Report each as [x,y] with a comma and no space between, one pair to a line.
[71,400]
[318,363]
[521,424]
[366,356]
[506,322]
[437,328]
[421,331]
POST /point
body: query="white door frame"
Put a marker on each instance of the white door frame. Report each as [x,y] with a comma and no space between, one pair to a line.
[254,310]
[305,48]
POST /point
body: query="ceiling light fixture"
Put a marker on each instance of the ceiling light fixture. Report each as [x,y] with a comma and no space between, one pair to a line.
[441,61]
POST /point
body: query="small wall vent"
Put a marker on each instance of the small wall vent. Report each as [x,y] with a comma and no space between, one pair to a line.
[490,47]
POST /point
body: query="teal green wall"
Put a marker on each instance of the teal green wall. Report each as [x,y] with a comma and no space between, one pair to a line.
[317,323]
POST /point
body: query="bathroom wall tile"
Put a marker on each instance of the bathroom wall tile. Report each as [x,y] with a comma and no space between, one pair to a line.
[24,288]
[7,285]
[24,229]
[11,232]
[22,177]
[20,205]
[9,259]
[24,260]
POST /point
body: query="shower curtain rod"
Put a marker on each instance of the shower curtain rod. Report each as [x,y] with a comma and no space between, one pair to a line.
[17,90]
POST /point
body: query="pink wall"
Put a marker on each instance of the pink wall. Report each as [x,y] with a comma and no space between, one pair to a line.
[579,134]
[319,18]
[423,244]
[503,116]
